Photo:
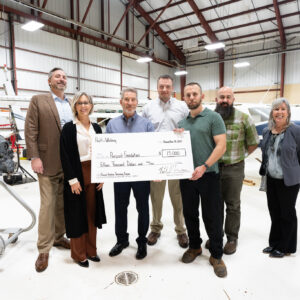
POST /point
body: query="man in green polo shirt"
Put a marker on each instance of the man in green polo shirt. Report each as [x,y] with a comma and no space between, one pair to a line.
[208,138]
[241,140]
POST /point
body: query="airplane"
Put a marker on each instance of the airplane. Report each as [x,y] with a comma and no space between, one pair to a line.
[105,109]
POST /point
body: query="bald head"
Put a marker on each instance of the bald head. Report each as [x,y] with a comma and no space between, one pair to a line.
[225,96]
[225,99]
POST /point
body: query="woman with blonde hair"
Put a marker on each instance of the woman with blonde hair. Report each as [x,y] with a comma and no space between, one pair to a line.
[281,157]
[83,200]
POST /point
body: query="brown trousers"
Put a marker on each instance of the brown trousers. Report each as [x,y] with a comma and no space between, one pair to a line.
[51,226]
[85,246]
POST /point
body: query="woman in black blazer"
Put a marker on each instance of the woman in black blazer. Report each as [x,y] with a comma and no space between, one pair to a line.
[281,157]
[83,201]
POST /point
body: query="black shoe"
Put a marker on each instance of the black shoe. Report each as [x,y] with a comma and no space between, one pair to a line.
[268,250]
[277,254]
[207,244]
[141,252]
[94,258]
[118,248]
[84,264]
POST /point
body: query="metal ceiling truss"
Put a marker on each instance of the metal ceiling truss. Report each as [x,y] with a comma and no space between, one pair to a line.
[170,44]
[229,17]
[212,36]
[283,43]
[154,22]
[129,5]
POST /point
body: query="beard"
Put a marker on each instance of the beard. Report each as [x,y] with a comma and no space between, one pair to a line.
[194,105]
[59,86]
[224,110]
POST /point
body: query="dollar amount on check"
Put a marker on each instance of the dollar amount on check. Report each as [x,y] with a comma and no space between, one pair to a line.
[141,156]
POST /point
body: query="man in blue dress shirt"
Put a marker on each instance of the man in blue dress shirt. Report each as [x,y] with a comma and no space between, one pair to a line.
[128,122]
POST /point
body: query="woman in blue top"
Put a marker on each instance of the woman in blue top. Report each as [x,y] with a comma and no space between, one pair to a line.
[281,156]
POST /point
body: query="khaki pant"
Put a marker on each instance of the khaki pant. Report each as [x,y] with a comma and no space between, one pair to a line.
[231,186]
[51,227]
[157,192]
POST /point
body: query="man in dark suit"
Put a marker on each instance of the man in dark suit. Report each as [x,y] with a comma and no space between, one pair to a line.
[46,115]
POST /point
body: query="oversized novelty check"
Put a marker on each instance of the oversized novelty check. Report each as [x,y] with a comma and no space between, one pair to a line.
[141,156]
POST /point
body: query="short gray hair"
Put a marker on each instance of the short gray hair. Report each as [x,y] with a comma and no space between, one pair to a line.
[130,89]
[275,104]
[53,70]
[77,97]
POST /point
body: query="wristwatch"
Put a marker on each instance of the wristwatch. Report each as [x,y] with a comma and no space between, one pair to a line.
[206,166]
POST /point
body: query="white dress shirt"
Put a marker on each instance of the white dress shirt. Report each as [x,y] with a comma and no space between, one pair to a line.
[165,116]
[84,143]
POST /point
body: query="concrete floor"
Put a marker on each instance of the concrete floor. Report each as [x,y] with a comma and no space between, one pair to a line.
[161,275]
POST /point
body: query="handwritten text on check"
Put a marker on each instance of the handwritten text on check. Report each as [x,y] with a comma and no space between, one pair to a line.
[141,156]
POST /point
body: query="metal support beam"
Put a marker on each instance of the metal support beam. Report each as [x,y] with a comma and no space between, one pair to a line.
[87,11]
[12,54]
[85,14]
[182,85]
[121,71]
[72,12]
[122,18]
[161,8]
[173,48]
[78,62]
[63,18]
[202,10]
[43,6]
[211,35]
[154,22]
[102,17]
[149,85]
[8,9]
[127,28]
[296,13]
[269,6]
[283,43]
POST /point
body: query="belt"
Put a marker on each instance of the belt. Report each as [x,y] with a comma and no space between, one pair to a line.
[229,165]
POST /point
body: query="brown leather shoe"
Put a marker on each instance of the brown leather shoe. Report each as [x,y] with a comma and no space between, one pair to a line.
[152,238]
[190,254]
[63,243]
[219,266]
[230,247]
[183,240]
[41,263]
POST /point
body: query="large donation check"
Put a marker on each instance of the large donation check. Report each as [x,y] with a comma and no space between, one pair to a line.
[141,156]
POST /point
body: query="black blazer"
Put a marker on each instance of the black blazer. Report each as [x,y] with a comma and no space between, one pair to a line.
[75,205]
[290,154]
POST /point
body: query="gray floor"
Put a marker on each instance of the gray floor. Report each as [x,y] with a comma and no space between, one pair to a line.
[161,275]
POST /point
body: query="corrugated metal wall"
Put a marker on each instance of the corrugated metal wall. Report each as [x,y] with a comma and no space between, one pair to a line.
[263,71]
[206,75]
[292,71]
[4,52]
[100,69]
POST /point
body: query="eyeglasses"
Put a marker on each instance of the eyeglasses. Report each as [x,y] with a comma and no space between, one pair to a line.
[83,103]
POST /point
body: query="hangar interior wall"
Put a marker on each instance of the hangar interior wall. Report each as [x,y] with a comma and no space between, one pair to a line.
[103,71]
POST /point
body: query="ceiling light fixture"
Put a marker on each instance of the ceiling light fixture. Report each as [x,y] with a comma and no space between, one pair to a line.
[214,46]
[144,59]
[32,26]
[241,64]
[180,72]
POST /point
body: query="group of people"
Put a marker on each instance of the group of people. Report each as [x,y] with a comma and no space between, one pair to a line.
[58,137]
